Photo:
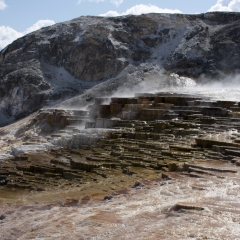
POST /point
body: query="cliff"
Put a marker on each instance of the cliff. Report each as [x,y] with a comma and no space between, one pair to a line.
[62,61]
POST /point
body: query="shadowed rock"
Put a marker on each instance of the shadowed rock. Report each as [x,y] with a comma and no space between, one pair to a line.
[63,60]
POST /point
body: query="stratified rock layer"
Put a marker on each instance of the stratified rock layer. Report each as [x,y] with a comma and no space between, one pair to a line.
[127,168]
[128,139]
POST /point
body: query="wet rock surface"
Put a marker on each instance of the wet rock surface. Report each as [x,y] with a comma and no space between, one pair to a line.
[148,135]
[68,58]
[201,208]
[158,158]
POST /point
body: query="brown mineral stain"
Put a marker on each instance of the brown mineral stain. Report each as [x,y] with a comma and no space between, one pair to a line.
[106,217]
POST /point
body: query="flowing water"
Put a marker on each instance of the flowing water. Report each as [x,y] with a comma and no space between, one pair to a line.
[180,208]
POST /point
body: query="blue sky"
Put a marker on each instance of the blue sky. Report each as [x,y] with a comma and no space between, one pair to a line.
[19,17]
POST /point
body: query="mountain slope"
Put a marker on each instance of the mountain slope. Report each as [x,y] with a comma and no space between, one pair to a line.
[63,60]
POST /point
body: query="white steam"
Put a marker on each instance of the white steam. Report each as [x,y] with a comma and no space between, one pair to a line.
[155,81]
[227,88]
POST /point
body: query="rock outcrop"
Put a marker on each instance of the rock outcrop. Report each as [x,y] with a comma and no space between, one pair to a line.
[63,60]
[148,136]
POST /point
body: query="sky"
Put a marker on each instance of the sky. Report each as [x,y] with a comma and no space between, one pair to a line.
[20,17]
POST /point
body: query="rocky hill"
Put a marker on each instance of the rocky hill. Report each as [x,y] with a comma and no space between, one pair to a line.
[119,148]
[66,59]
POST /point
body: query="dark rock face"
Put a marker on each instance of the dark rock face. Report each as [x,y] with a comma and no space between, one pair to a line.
[92,49]
[210,47]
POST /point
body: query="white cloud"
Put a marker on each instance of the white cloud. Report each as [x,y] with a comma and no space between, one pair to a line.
[140,9]
[3,5]
[8,35]
[97,1]
[115,2]
[226,6]
[39,24]
[110,14]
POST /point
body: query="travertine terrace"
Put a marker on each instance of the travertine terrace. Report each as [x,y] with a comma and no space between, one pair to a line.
[162,158]
[164,164]
[134,146]
[120,140]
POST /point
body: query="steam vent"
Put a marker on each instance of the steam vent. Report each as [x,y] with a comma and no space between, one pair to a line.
[84,161]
